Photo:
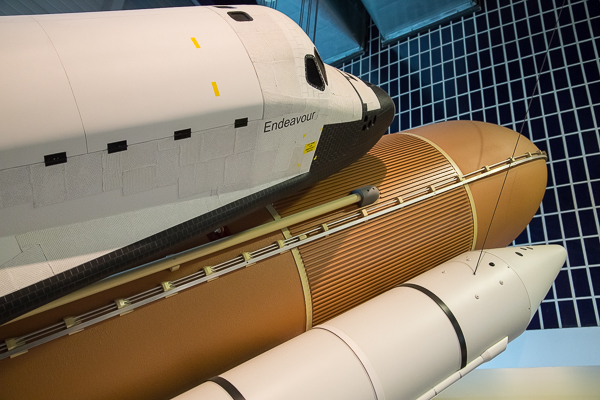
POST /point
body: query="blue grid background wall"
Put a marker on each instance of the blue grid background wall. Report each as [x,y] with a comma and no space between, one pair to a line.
[485,67]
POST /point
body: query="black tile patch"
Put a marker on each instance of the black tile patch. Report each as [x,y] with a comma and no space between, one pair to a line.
[57,158]
[182,134]
[116,147]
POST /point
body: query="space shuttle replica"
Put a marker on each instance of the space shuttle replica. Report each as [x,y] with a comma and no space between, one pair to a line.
[194,206]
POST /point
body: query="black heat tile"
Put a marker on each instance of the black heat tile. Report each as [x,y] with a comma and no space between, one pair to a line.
[436,56]
[528,67]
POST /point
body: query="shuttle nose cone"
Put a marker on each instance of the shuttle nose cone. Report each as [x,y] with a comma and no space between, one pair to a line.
[537,266]
[343,143]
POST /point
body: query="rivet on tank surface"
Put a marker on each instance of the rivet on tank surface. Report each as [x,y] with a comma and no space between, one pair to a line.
[492,264]
[502,282]
[519,254]
[477,296]
[443,272]
[468,258]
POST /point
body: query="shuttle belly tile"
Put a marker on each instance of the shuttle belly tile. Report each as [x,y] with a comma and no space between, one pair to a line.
[83,175]
[15,186]
[31,266]
[218,143]
[168,143]
[246,137]
[139,155]
[187,181]
[111,171]
[48,184]
[139,180]
[167,167]
[263,166]
[210,175]
[190,150]
[238,168]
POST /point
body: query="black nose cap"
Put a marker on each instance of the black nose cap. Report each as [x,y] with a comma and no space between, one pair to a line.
[341,144]
[380,119]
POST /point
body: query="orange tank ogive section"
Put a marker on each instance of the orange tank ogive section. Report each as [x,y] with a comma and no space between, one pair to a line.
[473,145]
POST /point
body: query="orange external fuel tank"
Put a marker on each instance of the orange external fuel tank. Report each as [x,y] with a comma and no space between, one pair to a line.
[440,186]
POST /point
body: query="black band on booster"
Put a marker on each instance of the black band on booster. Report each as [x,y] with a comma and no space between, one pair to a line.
[451,317]
[228,387]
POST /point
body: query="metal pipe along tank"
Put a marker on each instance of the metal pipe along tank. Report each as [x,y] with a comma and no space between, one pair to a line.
[411,342]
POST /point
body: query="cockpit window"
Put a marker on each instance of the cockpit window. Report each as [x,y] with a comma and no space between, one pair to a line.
[313,75]
[321,66]
[239,16]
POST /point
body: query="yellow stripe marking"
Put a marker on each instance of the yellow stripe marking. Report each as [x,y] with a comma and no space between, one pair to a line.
[195,43]
[216,89]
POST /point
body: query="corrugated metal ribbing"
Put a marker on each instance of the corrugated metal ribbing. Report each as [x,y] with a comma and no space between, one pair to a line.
[357,264]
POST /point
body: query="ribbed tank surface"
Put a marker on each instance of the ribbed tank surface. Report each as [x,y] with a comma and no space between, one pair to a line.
[361,262]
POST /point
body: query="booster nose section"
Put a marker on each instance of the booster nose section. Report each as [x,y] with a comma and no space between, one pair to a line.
[343,143]
[536,266]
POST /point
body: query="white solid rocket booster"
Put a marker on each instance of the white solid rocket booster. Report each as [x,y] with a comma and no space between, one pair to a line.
[411,342]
